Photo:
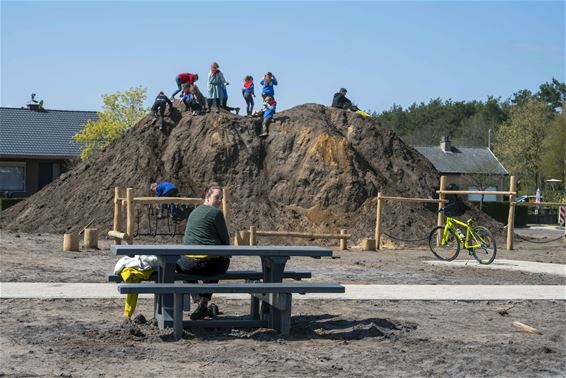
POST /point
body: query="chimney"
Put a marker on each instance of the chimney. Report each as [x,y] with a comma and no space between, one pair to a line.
[445,144]
[34,105]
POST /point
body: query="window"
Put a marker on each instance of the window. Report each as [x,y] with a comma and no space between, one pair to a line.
[12,176]
[486,197]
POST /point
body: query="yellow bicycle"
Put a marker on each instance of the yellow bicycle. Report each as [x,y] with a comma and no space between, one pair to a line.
[444,241]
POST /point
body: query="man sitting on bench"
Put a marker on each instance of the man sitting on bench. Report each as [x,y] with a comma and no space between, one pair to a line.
[206,226]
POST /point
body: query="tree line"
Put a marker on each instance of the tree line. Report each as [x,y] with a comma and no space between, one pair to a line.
[528,130]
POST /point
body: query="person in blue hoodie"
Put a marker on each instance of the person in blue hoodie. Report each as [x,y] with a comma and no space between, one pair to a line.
[268,82]
[269,107]
[164,189]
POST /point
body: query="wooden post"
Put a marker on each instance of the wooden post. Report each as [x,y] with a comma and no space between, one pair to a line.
[117,212]
[511,218]
[91,238]
[253,240]
[378,222]
[242,238]
[441,196]
[130,215]
[225,207]
[368,245]
[70,242]
[343,242]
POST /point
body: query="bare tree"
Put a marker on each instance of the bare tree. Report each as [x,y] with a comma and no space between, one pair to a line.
[484,177]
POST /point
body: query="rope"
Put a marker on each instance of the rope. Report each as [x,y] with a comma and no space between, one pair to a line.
[405,240]
[536,241]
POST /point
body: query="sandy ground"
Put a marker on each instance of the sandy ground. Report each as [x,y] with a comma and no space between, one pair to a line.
[329,338]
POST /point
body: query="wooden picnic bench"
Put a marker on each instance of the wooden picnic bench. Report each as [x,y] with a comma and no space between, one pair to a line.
[273,260]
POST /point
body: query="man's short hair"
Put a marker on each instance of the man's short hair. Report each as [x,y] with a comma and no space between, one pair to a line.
[210,188]
[343,90]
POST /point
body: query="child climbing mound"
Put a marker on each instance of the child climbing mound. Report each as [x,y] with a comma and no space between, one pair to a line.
[269,107]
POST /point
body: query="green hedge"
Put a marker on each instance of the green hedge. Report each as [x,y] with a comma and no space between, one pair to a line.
[7,202]
[500,212]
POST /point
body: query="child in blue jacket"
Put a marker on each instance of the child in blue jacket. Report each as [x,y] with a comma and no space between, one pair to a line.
[268,82]
[269,108]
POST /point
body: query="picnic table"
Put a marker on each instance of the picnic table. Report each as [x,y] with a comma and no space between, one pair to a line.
[274,294]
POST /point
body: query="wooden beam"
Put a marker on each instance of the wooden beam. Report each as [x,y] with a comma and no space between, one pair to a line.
[306,235]
[167,200]
[225,210]
[474,192]
[442,197]
[130,214]
[344,241]
[378,205]
[526,328]
[118,235]
[511,217]
[253,239]
[408,199]
[117,212]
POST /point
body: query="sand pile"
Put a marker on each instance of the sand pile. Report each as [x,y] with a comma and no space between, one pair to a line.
[319,170]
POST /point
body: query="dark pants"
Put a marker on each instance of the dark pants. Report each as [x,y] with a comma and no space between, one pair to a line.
[217,101]
[205,267]
[179,85]
[192,104]
[249,104]
[158,106]
[171,206]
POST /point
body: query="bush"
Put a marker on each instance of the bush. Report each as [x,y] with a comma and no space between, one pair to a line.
[500,212]
[7,202]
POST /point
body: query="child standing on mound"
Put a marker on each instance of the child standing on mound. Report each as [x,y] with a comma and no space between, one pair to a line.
[269,107]
[248,93]
[216,81]
[268,82]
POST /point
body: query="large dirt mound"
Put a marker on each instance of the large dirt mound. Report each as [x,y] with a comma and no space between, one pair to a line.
[319,170]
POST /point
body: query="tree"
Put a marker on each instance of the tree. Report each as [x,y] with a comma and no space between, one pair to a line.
[488,175]
[121,111]
[554,94]
[553,159]
[518,141]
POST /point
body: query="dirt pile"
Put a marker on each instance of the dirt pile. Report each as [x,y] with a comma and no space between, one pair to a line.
[319,170]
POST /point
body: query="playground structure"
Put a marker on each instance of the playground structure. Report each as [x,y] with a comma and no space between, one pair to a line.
[126,204]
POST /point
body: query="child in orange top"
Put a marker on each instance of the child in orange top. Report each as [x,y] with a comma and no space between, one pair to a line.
[248,93]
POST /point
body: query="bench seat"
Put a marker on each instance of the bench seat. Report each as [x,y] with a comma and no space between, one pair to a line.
[232,288]
[277,295]
[248,275]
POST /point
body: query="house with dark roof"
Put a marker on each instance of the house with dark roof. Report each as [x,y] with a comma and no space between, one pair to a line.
[467,168]
[36,146]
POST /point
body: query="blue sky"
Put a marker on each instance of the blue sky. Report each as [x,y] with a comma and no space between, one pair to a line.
[384,53]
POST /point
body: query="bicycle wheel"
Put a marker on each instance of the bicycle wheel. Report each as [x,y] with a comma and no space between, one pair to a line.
[446,251]
[486,253]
